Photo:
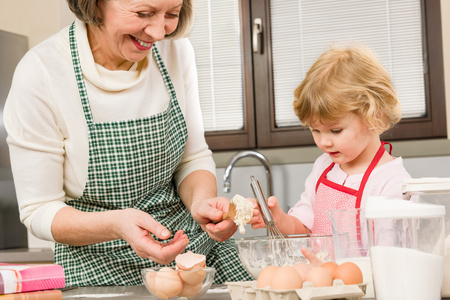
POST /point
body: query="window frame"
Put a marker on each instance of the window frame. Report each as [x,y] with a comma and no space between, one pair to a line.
[246,137]
[260,130]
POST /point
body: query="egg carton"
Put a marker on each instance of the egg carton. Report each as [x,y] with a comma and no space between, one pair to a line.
[248,291]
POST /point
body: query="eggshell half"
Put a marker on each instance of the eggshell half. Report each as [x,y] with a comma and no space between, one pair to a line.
[190,290]
[150,279]
[189,260]
[286,277]
[194,276]
[165,283]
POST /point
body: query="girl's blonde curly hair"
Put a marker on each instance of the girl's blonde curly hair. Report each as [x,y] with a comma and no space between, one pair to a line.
[348,79]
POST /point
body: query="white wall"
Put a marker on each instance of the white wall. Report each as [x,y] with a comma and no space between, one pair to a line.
[35,19]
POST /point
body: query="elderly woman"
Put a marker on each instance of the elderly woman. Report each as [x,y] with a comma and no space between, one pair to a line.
[107,145]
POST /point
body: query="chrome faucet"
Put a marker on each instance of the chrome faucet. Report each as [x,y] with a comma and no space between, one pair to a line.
[242,154]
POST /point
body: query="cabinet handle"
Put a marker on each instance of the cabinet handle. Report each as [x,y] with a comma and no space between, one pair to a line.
[257,30]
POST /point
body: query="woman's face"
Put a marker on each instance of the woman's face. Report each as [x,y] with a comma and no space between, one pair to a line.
[129,29]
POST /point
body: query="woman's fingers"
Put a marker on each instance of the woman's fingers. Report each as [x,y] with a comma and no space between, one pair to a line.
[164,253]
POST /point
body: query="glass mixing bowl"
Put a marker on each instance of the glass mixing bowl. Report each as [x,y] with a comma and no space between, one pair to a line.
[171,283]
[256,253]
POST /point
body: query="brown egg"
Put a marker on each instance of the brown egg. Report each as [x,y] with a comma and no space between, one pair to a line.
[285,278]
[319,277]
[265,277]
[349,273]
[302,269]
[330,266]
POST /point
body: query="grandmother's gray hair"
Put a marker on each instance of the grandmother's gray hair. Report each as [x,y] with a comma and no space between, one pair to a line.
[86,11]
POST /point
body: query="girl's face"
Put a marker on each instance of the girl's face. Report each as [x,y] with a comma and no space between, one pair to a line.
[129,29]
[347,141]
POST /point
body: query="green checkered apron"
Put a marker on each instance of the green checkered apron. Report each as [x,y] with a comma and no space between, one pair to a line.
[131,164]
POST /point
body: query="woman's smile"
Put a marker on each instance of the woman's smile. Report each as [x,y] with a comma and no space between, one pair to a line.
[129,30]
[140,44]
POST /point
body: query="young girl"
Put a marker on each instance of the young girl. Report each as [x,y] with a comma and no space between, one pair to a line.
[348,101]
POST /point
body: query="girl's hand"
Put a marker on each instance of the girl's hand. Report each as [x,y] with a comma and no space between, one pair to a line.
[135,227]
[257,220]
[277,213]
[313,259]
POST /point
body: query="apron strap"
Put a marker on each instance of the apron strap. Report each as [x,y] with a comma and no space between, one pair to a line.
[369,170]
[324,175]
[390,146]
[79,75]
[372,166]
[164,72]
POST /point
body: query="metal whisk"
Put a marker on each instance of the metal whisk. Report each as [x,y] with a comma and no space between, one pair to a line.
[282,251]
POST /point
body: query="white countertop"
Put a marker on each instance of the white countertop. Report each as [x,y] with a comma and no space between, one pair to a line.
[216,292]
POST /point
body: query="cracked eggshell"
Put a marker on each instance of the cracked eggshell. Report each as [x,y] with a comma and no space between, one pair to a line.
[165,283]
[190,290]
[189,260]
[193,277]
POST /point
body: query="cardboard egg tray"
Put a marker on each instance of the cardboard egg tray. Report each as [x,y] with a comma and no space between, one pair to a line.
[248,291]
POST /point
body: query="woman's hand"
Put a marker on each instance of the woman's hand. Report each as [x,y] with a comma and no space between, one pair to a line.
[77,228]
[208,213]
[135,228]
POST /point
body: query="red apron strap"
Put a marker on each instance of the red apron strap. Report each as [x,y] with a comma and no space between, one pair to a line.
[369,170]
[390,146]
[324,175]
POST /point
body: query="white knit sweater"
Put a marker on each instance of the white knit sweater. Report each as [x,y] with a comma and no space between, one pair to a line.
[47,132]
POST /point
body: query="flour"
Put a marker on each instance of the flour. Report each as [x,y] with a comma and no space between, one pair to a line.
[244,212]
[446,282]
[406,274]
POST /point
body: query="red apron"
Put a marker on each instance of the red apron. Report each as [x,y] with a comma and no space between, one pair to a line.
[330,195]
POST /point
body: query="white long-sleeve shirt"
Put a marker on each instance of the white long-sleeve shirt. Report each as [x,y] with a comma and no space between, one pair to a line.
[47,131]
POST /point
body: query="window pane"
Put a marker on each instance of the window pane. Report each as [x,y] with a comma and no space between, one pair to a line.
[216,38]
[301,32]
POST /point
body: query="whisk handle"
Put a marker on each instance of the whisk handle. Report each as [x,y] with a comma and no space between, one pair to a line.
[259,194]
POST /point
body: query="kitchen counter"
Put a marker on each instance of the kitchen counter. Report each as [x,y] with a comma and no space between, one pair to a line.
[27,255]
[216,292]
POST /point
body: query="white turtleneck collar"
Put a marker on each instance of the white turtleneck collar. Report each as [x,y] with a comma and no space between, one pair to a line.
[101,77]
